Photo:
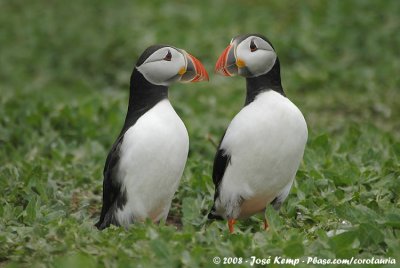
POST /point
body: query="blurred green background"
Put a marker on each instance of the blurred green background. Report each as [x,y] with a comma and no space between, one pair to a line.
[64,79]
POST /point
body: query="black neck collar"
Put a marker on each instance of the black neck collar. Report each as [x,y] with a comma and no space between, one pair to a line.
[142,97]
[265,82]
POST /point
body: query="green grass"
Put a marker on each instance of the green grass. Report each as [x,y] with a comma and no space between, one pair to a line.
[64,73]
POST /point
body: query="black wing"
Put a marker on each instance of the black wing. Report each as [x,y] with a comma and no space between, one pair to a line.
[112,195]
[221,161]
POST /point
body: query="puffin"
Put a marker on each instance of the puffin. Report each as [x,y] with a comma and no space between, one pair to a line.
[144,166]
[261,150]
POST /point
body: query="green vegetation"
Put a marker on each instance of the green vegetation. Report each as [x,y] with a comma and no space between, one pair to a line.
[64,74]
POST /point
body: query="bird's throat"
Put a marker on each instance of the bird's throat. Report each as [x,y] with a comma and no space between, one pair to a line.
[142,97]
[265,82]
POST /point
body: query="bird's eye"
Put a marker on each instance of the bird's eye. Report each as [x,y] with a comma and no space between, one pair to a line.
[253,46]
[168,57]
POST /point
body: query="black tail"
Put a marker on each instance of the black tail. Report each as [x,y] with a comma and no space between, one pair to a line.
[101,225]
[106,221]
[213,215]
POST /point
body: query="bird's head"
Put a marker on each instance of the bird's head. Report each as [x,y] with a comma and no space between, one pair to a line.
[248,55]
[163,65]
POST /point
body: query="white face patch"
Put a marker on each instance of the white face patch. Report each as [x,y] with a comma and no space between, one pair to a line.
[162,67]
[257,54]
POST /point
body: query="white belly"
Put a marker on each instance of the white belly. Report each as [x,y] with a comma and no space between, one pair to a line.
[266,142]
[153,156]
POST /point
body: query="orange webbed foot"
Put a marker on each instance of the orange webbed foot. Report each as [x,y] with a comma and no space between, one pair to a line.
[266,226]
[231,222]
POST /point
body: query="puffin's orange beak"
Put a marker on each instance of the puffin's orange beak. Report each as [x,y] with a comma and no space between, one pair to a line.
[194,72]
[226,63]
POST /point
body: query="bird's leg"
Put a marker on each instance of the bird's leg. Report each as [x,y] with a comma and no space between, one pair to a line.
[210,139]
[265,224]
[231,222]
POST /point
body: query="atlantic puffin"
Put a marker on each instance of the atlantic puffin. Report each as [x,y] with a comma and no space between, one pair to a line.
[259,154]
[144,166]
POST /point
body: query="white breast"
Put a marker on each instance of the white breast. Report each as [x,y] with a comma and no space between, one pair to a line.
[153,156]
[266,141]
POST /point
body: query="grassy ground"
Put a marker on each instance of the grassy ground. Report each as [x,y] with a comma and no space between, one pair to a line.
[64,71]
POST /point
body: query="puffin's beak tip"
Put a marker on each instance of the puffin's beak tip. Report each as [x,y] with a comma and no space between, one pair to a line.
[221,64]
[200,72]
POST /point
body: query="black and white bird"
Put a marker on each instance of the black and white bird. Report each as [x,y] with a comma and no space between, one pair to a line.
[261,150]
[146,162]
